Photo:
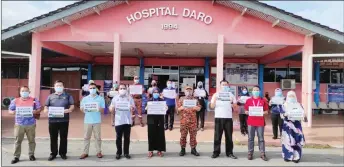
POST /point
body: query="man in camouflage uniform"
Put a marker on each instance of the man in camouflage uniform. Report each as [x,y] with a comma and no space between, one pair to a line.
[138,103]
[188,122]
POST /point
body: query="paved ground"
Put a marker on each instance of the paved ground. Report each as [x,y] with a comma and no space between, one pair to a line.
[312,157]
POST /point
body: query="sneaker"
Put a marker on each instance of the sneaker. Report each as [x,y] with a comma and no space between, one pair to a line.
[15,160]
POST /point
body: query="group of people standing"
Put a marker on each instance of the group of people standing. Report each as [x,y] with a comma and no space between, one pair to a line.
[190,108]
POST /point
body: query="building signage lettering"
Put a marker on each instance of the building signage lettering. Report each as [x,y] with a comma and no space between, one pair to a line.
[166,11]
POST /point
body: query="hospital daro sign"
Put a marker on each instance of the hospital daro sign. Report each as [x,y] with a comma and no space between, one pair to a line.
[166,11]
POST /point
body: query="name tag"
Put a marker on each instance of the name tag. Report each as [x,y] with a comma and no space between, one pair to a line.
[156,108]
[255,111]
[189,103]
[56,112]
[91,107]
[24,111]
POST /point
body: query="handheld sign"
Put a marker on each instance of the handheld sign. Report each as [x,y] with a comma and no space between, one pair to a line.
[295,114]
[255,111]
[91,107]
[24,111]
[122,106]
[56,112]
[156,108]
[135,89]
[243,99]
[171,94]
[224,96]
[200,93]
[189,103]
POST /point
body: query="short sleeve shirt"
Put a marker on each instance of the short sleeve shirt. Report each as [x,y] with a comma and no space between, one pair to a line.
[122,117]
[255,120]
[93,117]
[64,100]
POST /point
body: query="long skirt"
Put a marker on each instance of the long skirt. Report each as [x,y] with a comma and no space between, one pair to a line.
[292,140]
[156,133]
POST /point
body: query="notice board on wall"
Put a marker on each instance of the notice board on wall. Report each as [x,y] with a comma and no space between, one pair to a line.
[335,93]
[242,73]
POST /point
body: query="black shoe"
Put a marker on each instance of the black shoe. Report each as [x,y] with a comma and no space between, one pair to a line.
[194,152]
[127,156]
[166,127]
[286,160]
[118,156]
[296,161]
[182,152]
[215,156]
[232,156]
[15,160]
[32,158]
[64,157]
[52,157]
[274,138]
[170,128]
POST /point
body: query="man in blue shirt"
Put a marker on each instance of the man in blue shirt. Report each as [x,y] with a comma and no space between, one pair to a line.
[92,105]
[171,103]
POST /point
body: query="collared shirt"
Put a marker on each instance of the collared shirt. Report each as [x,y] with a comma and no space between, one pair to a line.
[188,115]
[223,109]
[255,120]
[24,120]
[64,100]
[122,117]
[93,117]
[169,101]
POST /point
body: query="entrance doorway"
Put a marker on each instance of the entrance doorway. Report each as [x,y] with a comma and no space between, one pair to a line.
[70,79]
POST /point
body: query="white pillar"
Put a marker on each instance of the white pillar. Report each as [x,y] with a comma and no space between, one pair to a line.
[116,58]
[35,66]
[219,61]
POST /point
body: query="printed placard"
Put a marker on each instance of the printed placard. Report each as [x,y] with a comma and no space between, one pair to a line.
[56,112]
[256,111]
[277,101]
[91,107]
[243,99]
[200,93]
[171,94]
[224,96]
[122,106]
[135,89]
[24,111]
[156,108]
[189,103]
[295,114]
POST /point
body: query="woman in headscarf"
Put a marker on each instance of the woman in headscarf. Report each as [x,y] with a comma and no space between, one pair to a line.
[202,95]
[112,93]
[292,136]
[156,131]
[276,104]
[242,116]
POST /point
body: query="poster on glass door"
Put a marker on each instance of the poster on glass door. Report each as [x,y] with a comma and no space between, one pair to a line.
[242,73]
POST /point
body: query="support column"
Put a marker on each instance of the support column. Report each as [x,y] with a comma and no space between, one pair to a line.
[142,71]
[261,78]
[116,58]
[307,74]
[317,83]
[219,61]
[89,72]
[35,66]
[206,74]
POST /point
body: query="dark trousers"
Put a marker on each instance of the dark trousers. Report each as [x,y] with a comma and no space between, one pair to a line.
[201,115]
[54,130]
[156,133]
[277,122]
[243,123]
[170,112]
[123,130]
[223,124]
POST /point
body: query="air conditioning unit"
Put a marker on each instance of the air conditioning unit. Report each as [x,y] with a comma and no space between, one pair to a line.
[6,101]
[288,83]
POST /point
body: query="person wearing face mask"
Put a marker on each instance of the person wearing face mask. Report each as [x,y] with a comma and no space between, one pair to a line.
[188,121]
[92,121]
[150,90]
[256,123]
[171,103]
[156,132]
[276,103]
[85,91]
[24,124]
[201,94]
[292,136]
[242,116]
[138,103]
[59,125]
[223,119]
[112,93]
[123,107]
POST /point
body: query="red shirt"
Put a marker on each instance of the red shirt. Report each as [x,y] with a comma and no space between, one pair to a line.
[253,120]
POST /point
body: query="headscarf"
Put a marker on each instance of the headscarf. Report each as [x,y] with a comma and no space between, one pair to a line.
[242,94]
[153,90]
[291,93]
[90,81]
[200,83]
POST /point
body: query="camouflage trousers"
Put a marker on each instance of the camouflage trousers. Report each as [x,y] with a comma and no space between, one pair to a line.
[191,128]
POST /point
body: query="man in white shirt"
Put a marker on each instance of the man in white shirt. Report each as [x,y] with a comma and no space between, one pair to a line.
[223,102]
[123,106]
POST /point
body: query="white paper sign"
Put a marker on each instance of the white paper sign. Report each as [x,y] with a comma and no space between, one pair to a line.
[224,96]
[200,93]
[243,99]
[91,107]
[295,114]
[277,100]
[156,108]
[122,106]
[135,89]
[171,94]
[24,111]
[57,112]
[189,103]
[255,111]
[113,93]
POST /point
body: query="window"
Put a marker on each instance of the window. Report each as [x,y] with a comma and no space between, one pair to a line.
[295,73]
[12,71]
[269,75]
[337,76]
[281,73]
[325,75]
[98,73]
[23,72]
[46,77]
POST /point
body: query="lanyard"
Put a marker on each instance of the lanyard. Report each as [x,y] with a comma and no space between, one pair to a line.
[255,103]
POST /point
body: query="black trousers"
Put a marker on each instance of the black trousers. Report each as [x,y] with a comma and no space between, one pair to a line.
[123,130]
[156,133]
[54,130]
[243,123]
[170,112]
[223,124]
[277,122]
[201,115]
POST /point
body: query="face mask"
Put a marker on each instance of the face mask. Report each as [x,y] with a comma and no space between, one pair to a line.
[225,88]
[58,89]
[155,95]
[200,86]
[154,84]
[136,81]
[169,85]
[255,93]
[115,86]
[244,92]
[278,93]
[291,100]
[93,91]
[122,92]
[187,93]
[24,94]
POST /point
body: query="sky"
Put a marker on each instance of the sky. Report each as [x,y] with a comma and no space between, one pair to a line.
[329,13]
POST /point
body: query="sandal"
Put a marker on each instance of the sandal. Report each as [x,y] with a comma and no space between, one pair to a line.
[160,154]
[150,154]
